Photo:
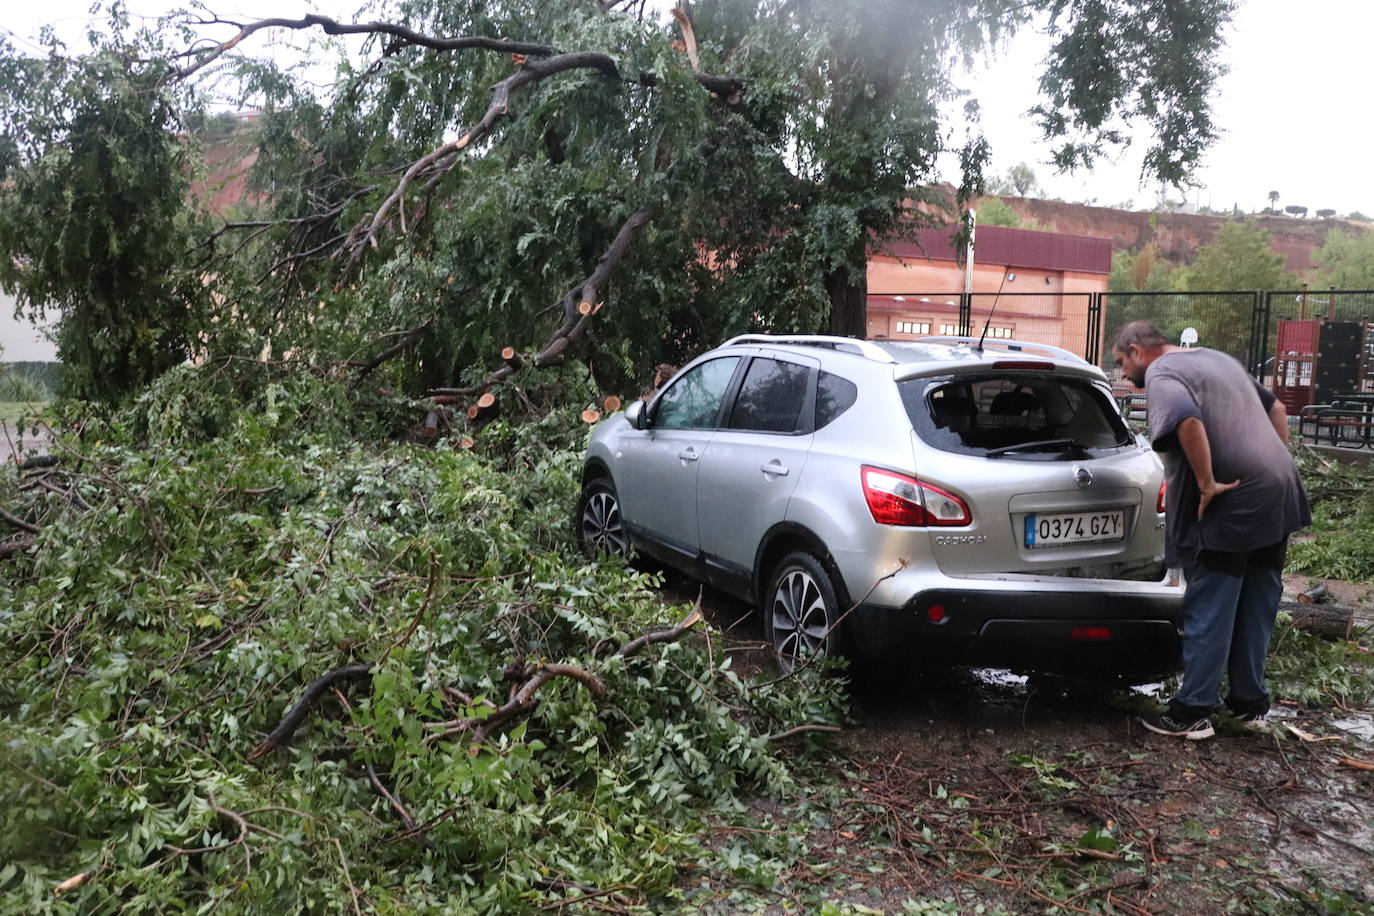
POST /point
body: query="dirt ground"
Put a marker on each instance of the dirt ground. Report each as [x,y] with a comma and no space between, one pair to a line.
[982,791]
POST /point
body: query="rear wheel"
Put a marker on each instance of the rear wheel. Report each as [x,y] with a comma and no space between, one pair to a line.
[598,524]
[801,611]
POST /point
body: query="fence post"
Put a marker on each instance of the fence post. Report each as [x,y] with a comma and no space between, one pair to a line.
[1259,333]
[1092,347]
[965,314]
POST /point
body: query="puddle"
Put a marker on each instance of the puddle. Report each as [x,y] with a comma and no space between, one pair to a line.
[1000,677]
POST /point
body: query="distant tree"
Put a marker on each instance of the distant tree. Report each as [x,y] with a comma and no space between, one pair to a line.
[1346,260]
[1140,271]
[1022,179]
[1273,200]
[1325,213]
[1295,210]
[993,211]
[1357,215]
[1238,258]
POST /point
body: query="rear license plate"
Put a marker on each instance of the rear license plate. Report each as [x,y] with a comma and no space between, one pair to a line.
[1075,528]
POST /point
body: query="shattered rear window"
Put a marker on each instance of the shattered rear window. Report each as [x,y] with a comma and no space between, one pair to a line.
[1015,415]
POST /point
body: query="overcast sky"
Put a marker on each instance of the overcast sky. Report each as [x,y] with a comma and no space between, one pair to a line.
[1293,111]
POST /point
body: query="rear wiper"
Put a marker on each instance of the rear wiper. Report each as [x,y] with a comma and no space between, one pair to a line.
[1036,446]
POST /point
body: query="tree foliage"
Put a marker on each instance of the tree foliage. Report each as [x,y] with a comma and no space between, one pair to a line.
[1239,258]
[95,219]
[221,545]
[1140,271]
[753,148]
[1346,260]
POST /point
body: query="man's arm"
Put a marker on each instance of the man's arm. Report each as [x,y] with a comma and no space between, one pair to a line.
[1278,415]
[1192,438]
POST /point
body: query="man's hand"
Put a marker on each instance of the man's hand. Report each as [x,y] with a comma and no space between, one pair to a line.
[1211,492]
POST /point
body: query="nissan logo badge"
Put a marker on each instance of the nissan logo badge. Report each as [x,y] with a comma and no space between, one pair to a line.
[1083,477]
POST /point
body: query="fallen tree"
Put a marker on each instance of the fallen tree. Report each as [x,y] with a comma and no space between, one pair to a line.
[471,162]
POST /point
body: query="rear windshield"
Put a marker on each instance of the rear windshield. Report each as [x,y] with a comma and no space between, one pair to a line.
[1015,415]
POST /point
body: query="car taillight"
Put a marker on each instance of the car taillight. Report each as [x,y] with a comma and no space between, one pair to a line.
[1159,505]
[899,499]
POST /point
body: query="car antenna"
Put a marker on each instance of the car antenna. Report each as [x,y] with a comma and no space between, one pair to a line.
[987,323]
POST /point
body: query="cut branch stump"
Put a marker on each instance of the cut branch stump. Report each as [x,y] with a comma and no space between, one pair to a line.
[1334,621]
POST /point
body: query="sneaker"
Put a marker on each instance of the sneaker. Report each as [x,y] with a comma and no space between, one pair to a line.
[1162,722]
[1256,721]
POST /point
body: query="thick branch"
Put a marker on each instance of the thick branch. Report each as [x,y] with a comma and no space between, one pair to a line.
[293,719]
[672,634]
[406,342]
[579,305]
[9,549]
[333,27]
[443,158]
[18,522]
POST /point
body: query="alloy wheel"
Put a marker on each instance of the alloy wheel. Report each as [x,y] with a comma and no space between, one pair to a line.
[601,524]
[799,617]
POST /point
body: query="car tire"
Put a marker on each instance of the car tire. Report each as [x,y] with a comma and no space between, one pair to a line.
[598,523]
[801,611]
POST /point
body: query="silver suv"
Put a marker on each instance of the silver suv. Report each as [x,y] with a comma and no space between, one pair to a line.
[941,498]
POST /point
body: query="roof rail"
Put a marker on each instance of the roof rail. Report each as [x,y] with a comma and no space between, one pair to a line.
[1017,346]
[865,348]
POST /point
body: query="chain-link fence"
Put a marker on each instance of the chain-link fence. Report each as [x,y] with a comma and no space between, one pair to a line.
[1308,346]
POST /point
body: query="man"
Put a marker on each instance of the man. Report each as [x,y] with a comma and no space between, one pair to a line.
[1234,496]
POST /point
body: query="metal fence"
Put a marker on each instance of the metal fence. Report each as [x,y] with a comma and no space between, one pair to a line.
[1304,344]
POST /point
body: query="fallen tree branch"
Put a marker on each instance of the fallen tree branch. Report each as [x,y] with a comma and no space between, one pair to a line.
[521,702]
[293,719]
[673,634]
[206,56]
[803,729]
[18,522]
[443,158]
[575,319]
[395,803]
[407,341]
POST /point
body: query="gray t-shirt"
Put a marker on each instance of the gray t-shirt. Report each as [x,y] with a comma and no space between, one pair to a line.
[1270,502]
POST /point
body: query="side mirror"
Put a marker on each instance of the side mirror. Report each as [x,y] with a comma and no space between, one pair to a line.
[636,416]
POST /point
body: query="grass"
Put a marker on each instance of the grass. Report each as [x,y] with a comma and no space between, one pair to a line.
[10,411]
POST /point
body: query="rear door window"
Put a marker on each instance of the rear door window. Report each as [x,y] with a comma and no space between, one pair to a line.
[771,397]
[1015,415]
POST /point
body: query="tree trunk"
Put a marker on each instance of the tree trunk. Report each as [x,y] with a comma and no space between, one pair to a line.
[848,289]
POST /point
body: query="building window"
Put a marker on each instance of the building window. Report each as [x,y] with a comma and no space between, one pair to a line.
[999,332]
[949,330]
[913,327]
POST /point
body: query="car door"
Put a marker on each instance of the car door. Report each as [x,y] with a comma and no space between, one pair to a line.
[659,466]
[752,464]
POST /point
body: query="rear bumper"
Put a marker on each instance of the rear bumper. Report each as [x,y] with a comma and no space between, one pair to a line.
[1113,633]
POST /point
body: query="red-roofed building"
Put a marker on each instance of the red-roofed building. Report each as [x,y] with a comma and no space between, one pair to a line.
[1038,285]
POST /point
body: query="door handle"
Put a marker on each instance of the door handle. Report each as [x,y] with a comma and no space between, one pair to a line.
[780,470]
[688,454]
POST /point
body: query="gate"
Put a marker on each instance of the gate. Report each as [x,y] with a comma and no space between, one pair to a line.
[1225,320]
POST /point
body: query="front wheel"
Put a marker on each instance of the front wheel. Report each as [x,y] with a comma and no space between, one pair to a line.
[598,524]
[801,611]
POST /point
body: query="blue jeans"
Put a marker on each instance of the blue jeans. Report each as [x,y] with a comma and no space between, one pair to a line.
[1227,622]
